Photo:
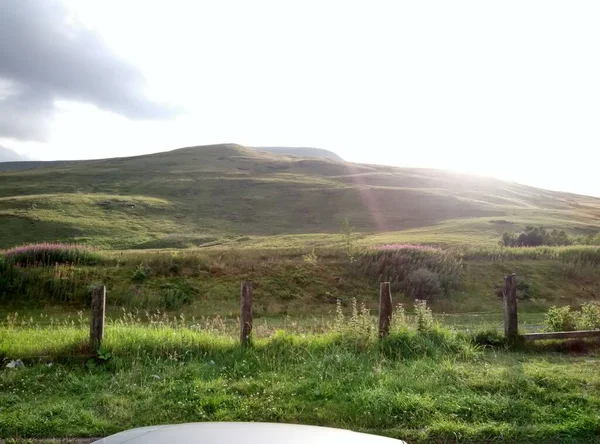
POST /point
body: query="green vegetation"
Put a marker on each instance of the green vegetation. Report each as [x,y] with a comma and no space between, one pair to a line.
[423,383]
[304,283]
[200,220]
[565,319]
[51,254]
[536,236]
[233,196]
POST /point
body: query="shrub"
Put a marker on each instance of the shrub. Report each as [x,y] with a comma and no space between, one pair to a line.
[423,284]
[526,290]
[140,273]
[536,236]
[560,319]
[51,254]
[564,319]
[395,265]
[589,316]
[174,298]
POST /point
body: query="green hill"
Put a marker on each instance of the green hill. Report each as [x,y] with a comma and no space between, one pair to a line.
[229,193]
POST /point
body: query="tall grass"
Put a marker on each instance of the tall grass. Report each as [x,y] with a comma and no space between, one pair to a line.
[575,254]
[57,284]
[135,335]
[50,254]
[397,264]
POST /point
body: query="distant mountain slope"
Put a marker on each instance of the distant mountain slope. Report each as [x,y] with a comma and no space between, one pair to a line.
[198,195]
[29,164]
[306,152]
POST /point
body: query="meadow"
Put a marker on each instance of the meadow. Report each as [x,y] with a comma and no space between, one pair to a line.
[172,354]
[424,383]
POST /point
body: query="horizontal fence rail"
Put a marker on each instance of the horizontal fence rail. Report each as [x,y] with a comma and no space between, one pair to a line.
[561,335]
[509,296]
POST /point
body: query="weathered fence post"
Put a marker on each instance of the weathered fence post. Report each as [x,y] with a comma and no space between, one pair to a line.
[509,295]
[97,317]
[385,309]
[246,320]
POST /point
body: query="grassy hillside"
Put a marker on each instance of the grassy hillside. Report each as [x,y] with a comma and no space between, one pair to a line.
[293,283]
[228,193]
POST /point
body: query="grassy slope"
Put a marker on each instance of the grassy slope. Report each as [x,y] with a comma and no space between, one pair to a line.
[206,283]
[217,194]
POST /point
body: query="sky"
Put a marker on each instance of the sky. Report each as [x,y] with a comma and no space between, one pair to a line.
[506,89]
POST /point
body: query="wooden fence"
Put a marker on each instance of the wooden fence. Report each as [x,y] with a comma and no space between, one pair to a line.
[509,294]
[98,304]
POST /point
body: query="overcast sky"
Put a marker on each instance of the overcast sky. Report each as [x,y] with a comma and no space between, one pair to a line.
[509,89]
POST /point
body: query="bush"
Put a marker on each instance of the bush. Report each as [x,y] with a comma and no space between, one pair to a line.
[51,254]
[140,273]
[535,237]
[396,265]
[564,319]
[525,290]
[423,284]
[560,319]
[176,294]
[589,317]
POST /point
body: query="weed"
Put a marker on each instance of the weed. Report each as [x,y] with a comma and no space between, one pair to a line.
[399,318]
[423,315]
[348,238]
[311,258]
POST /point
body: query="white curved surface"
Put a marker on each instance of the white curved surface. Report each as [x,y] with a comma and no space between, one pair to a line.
[243,433]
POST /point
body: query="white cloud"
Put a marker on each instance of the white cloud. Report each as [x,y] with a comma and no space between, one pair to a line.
[507,89]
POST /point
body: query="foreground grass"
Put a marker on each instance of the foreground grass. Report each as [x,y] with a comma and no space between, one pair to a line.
[424,387]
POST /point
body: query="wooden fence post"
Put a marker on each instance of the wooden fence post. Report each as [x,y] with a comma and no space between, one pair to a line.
[385,309]
[97,317]
[509,294]
[246,320]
